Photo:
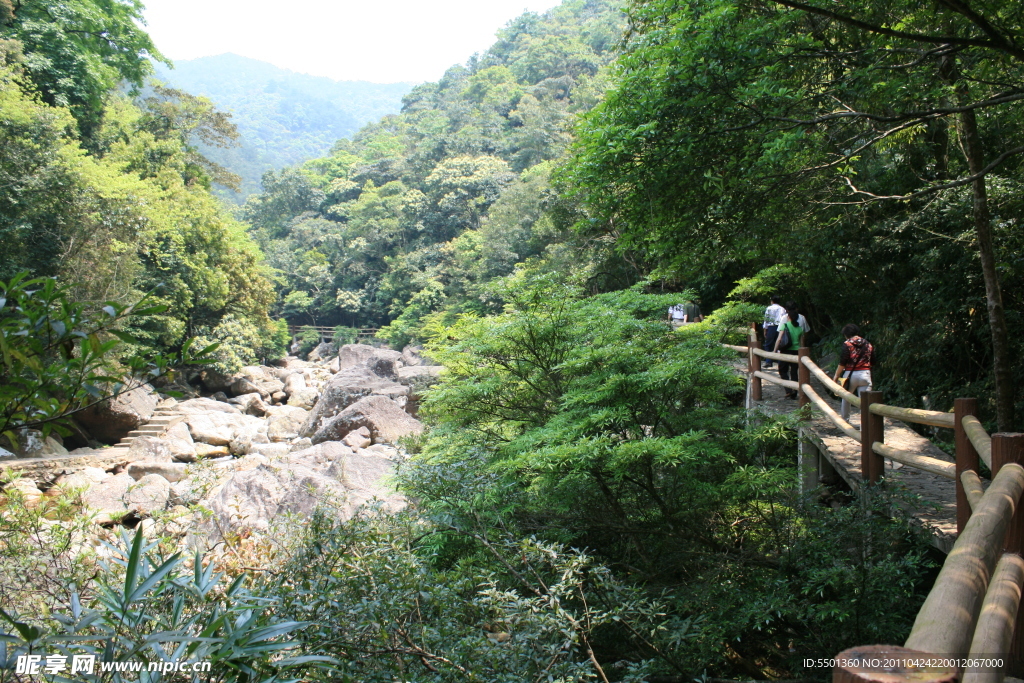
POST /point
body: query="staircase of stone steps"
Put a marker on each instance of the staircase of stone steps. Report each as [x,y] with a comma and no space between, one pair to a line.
[161,421]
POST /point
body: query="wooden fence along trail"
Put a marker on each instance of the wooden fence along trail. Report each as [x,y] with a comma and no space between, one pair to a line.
[327,333]
[968,627]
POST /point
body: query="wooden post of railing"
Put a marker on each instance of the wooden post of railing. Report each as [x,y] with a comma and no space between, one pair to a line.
[1006,449]
[755,363]
[803,374]
[872,429]
[966,457]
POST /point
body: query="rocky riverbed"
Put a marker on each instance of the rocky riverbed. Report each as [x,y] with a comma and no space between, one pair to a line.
[266,442]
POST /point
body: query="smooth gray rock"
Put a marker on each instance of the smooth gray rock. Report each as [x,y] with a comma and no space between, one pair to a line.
[244,385]
[322,351]
[250,404]
[294,382]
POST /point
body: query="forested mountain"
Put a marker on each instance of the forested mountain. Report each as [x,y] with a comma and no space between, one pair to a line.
[107,193]
[417,213]
[283,118]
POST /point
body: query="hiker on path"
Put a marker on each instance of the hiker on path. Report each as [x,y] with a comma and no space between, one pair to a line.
[773,316]
[684,313]
[800,319]
[855,361]
[789,338]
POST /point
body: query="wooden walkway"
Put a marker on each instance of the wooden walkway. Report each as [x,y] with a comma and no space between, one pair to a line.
[825,452]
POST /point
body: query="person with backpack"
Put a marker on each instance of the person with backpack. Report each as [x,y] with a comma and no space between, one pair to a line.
[855,360]
[788,342]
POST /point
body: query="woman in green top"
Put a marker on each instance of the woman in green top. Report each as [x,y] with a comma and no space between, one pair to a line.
[790,328]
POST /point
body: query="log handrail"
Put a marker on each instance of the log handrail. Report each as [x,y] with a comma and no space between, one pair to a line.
[788,383]
[823,377]
[932,418]
[972,487]
[980,439]
[842,424]
[993,634]
[941,468]
[771,355]
[946,620]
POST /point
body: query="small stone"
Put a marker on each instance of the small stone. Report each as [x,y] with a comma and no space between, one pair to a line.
[205,450]
[359,438]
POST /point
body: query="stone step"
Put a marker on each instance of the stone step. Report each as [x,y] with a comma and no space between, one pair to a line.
[143,431]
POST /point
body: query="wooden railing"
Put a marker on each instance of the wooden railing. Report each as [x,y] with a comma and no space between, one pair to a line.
[967,628]
[328,332]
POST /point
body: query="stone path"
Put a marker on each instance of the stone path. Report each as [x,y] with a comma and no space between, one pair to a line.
[937,495]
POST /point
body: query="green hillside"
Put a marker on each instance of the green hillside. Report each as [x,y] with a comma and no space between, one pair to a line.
[284,117]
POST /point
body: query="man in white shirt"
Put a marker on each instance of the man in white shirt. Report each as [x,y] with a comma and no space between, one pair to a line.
[681,314]
[773,316]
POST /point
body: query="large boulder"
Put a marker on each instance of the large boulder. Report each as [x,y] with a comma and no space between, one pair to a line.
[293,382]
[295,484]
[382,362]
[285,422]
[366,476]
[250,404]
[218,429]
[107,499]
[31,444]
[322,351]
[214,380]
[148,494]
[179,441]
[111,420]
[382,416]
[304,398]
[344,389]
[244,385]
[412,355]
[195,406]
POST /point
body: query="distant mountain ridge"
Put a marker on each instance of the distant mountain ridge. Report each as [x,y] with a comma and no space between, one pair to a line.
[284,117]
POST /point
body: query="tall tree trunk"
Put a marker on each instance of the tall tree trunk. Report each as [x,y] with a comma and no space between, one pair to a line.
[975,154]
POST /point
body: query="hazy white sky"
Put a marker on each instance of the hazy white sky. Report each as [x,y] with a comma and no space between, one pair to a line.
[373,40]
